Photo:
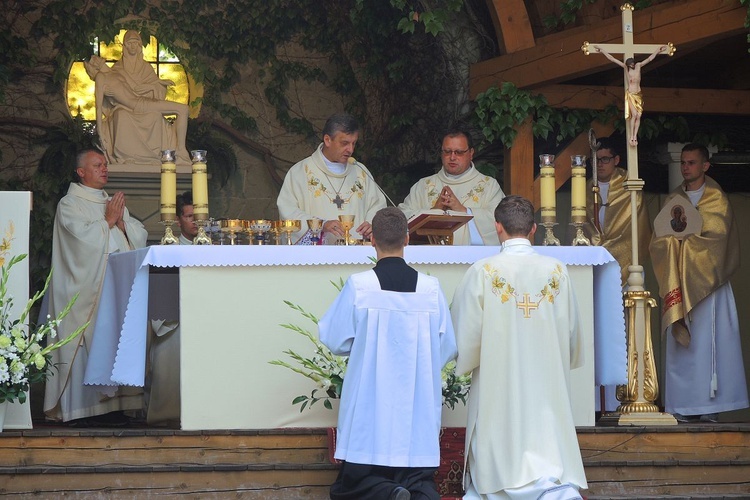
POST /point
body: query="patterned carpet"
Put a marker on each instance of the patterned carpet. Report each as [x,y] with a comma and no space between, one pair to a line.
[449,477]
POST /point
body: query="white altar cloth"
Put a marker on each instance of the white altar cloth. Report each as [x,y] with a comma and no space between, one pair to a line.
[119,348]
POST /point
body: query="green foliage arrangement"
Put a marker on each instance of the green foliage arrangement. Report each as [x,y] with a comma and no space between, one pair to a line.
[23,359]
[324,368]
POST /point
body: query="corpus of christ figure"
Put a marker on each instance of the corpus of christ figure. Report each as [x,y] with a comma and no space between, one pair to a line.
[633,96]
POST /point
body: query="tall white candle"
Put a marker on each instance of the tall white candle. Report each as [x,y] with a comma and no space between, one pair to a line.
[578,188]
[200,185]
[547,193]
[168,198]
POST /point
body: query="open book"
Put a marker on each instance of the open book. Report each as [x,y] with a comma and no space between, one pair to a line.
[435,226]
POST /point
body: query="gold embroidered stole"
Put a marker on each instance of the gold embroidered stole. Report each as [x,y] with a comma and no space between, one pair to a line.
[690,270]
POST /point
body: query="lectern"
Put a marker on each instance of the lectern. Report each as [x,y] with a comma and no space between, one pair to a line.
[435,227]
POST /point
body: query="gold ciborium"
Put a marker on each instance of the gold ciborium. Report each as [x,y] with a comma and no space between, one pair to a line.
[232,227]
[347,224]
[259,228]
[289,226]
[316,226]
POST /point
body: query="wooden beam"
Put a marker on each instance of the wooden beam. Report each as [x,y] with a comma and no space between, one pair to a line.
[657,100]
[579,145]
[558,57]
[512,24]
[518,168]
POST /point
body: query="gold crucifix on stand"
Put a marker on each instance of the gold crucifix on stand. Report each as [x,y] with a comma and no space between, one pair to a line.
[638,397]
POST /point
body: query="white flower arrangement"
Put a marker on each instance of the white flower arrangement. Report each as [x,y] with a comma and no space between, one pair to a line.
[328,370]
[23,358]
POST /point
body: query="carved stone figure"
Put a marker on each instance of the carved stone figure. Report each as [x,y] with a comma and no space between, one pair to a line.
[131,109]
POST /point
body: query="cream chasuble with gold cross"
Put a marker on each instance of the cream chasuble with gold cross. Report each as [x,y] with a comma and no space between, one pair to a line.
[310,190]
[516,321]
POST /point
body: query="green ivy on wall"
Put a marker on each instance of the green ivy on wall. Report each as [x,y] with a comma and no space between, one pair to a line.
[382,58]
[500,110]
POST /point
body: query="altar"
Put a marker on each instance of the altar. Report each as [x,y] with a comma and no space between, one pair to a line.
[231,301]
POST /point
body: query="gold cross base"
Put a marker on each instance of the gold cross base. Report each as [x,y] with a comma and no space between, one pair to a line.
[638,397]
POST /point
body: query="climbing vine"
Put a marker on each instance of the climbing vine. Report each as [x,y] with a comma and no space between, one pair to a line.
[378,54]
[384,59]
[569,11]
[500,110]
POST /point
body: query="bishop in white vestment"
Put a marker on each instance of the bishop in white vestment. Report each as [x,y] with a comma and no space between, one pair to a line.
[394,325]
[516,322]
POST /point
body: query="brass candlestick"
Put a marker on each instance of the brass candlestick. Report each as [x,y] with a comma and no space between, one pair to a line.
[549,235]
[547,197]
[200,196]
[578,199]
[169,238]
[579,239]
[167,202]
[202,237]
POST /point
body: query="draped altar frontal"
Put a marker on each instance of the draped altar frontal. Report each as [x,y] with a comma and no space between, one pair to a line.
[229,301]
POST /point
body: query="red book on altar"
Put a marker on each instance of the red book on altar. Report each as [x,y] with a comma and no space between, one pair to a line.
[435,227]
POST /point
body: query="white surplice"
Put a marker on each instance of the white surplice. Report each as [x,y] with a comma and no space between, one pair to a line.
[516,322]
[397,344]
[81,242]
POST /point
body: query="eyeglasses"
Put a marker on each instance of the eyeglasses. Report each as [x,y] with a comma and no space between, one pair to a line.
[457,152]
[604,159]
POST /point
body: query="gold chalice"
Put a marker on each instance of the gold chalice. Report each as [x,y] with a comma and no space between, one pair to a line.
[347,224]
[232,227]
[289,226]
[259,228]
[275,232]
[316,226]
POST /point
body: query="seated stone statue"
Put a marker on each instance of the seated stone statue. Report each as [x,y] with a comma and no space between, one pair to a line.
[131,106]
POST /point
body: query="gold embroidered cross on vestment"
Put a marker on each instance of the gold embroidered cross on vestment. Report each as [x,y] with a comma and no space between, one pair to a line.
[527,305]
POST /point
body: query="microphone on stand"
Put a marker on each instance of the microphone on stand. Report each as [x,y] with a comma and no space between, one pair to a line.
[352,161]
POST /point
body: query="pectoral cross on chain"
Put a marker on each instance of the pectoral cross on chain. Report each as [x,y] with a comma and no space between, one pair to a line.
[338,201]
[527,305]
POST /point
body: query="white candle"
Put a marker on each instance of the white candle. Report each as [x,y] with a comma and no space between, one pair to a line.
[168,199]
[578,188]
[200,185]
[547,187]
